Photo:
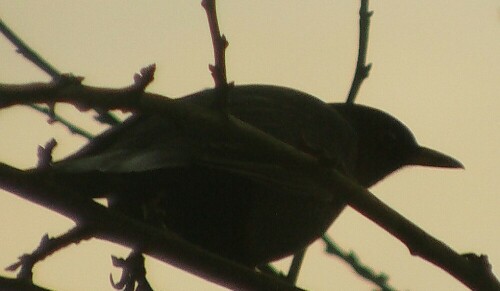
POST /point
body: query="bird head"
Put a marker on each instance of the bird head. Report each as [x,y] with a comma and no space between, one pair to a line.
[385,145]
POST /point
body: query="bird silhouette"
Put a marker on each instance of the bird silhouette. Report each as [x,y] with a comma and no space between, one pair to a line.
[169,174]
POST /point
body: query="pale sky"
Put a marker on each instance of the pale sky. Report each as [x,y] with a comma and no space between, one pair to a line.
[435,67]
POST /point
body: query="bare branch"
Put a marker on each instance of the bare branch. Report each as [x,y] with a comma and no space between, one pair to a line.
[362,70]
[116,227]
[219,43]
[28,53]
[473,273]
[45,154]
[57,118]
[7,284]
[70,93]
[35,58]
[351,258]
[47,247]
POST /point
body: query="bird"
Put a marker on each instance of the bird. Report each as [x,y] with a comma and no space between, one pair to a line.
[248,209]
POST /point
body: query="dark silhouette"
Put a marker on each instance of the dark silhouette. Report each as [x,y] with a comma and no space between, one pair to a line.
[172,174]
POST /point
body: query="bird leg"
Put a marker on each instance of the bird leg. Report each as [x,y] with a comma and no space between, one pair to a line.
[293,272]
[133,271]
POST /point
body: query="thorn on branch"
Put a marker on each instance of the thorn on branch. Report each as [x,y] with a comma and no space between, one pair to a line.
[219,43]
[366,70]
[144,77]
[61,82]
[365,13]
[136,90]
[51,113]
[64,80]
[480,262]
[225,43]
[45,154]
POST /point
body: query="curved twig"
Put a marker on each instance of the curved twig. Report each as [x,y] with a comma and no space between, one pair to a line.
[362,70]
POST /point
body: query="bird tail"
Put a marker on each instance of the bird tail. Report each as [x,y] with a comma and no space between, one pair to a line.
[90,184]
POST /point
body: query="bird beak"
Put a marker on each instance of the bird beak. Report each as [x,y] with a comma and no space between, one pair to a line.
[431,158]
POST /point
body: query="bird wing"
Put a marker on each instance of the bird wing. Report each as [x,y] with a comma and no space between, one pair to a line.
[152,142]
[294,117]
[141,143]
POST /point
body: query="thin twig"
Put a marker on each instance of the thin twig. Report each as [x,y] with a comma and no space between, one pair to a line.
[474,272]
[28,53]
[104,116]
[362,70]
[270,270]
[74,129]
[219,43]
[349,257]
[47,247]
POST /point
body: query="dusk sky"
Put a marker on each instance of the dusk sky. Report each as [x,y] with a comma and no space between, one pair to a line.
[436,67]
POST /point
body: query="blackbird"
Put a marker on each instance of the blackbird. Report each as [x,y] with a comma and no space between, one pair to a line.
[164,172]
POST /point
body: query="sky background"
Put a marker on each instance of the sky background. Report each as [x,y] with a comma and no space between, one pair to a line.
[435,67]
